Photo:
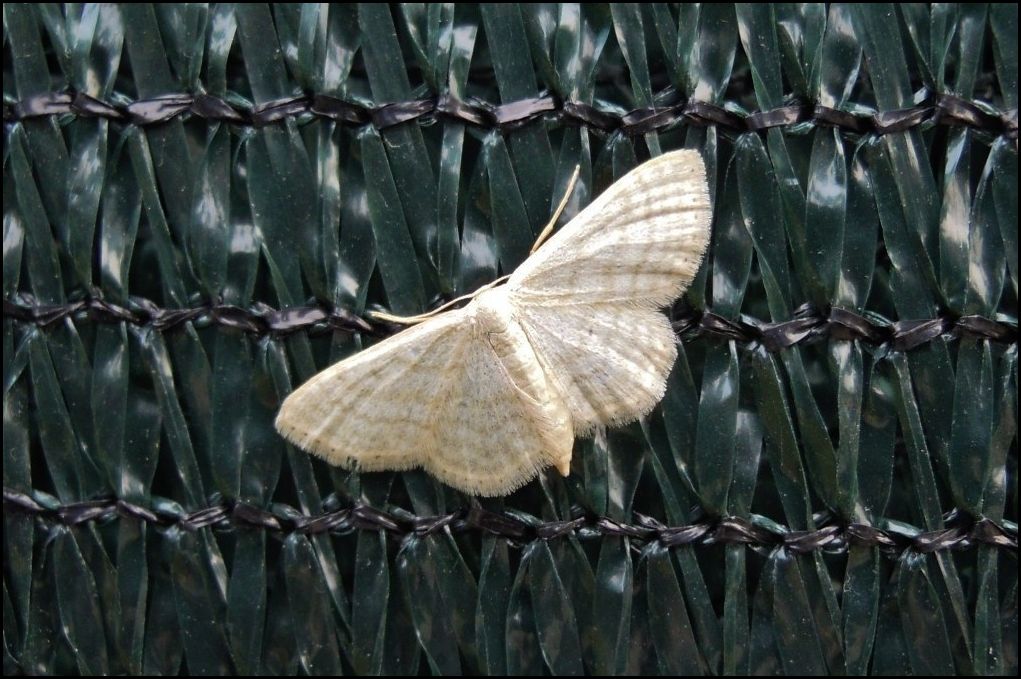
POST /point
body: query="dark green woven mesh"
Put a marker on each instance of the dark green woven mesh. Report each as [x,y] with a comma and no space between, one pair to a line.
[201,203]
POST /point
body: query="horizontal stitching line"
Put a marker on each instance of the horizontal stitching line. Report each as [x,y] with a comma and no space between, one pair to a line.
[961,532]
[934,108]
[807,324]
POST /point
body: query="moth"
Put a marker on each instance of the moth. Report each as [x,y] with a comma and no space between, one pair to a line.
[486,396]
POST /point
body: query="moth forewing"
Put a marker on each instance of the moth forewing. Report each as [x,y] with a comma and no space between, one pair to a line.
[590,298]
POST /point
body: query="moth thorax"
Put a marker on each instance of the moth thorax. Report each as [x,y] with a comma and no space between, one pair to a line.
[495,322]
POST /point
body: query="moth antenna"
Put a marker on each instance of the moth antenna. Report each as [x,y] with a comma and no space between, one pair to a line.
[418,318]
[412,320]
[546,232]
